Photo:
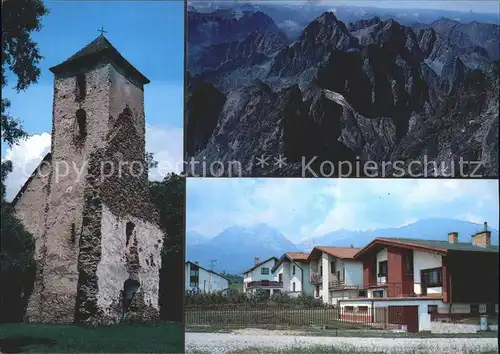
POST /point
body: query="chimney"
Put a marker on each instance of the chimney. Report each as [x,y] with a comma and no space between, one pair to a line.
[196,262]
[482,238]
[256,260]
[453,237]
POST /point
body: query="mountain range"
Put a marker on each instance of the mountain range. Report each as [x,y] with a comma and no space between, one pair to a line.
[382,88]
[235,248]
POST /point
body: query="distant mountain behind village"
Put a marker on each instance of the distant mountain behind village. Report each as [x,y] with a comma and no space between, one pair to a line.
[235,248]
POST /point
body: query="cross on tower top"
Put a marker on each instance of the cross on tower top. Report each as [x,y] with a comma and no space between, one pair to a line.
[102,31]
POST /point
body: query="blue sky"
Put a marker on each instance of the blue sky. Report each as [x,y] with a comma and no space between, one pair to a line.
[149,34]
[308,207]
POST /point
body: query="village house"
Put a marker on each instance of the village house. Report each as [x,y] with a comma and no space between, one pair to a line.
[335,274]
[259,278]
[428,279]
[292,273]
[203,280]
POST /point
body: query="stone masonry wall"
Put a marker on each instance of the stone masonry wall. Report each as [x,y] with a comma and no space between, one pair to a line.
[112,270]
[78,212]
[31,209]
[117,190]
[66,200]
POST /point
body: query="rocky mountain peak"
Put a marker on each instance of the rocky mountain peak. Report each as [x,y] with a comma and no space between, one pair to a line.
[227,26]
[376,89]
[453,72]
[323,35]
[427,38]
[325,27]
[356,26]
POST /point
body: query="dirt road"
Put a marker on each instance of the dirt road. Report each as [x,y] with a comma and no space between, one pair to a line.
[272,342]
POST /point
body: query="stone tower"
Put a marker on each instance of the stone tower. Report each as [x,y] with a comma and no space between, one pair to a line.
[98,243]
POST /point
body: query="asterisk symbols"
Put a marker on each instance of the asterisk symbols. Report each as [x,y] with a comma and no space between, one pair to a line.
[280,161]
[262,161]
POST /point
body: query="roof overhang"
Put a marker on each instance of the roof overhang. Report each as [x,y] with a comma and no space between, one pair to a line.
[379,243]
[90,59]
[259,264]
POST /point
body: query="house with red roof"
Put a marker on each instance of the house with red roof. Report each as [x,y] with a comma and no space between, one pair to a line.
[335,274]
[259,277]
[292,272]
[428,279]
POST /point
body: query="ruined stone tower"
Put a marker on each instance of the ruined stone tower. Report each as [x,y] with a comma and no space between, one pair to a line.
[98,243]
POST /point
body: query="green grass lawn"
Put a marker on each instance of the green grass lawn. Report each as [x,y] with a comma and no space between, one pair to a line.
[167,337]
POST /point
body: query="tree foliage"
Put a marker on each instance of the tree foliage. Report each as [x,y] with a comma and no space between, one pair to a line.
[169,196]
[20,58]
[150,160]
[233,278]
[18,267]
[236,299]
[20,55]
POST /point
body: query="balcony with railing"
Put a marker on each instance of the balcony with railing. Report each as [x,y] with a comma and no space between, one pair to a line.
[389,289]
[316,278]
[341,285]
[264,284]
[404,289]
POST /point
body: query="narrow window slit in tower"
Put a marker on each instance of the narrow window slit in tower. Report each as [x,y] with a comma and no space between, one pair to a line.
[81,123]
[73,233]
[129,228]
[81,87]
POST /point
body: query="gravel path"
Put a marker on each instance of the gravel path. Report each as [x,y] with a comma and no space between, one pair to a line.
[218,343]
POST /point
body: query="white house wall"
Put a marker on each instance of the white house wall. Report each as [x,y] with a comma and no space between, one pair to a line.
[255,274]
[314,265]
[295,278]
[289,279]
[325,261]
[337,295]
[187,271]
[207,281]
[282,269]
[425,260]
[278,271]
[210,282]
[307,287]
[424,318]
[353,273]
[423,308]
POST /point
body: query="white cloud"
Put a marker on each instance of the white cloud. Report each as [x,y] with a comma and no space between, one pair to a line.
[305,208]
[242,202]
[342,217]
[472,218]
[25,158]
[164,142]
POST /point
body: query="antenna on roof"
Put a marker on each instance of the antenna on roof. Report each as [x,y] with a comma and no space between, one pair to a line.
[212,264]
